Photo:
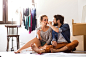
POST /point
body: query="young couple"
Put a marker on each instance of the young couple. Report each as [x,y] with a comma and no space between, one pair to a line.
[52,38]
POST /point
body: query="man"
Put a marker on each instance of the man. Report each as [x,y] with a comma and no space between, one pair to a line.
[61,36]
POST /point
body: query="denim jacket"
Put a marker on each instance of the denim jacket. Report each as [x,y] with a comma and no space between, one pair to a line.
[65,32]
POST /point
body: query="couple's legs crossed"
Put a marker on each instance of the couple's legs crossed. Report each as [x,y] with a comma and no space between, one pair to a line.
[28,44]
[43,49]
[61,47]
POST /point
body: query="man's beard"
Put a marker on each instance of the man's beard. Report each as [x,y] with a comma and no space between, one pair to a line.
[55,24]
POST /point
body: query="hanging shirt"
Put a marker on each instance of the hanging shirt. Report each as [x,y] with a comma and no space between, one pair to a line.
[33,19]
[29,24]
[30,21]
[23,17]
[26,23]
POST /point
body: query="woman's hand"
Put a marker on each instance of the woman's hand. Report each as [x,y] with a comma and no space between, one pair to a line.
[54,43]
[38,32]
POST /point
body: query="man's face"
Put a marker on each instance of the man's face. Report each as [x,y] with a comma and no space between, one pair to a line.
[55,22]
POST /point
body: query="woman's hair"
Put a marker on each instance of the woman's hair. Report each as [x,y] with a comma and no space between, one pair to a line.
[41,18]
[59,17]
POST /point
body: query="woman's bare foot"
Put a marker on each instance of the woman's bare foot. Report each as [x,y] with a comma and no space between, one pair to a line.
[53,50]
[33,47]
[36,49]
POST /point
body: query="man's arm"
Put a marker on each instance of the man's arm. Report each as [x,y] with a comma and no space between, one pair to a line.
[63,28]
[55,28]
[54,41]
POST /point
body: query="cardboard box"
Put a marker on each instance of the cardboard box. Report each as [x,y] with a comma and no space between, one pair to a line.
[78,28]
[82,42]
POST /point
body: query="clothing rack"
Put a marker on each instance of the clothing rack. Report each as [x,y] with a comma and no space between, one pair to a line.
[29,19]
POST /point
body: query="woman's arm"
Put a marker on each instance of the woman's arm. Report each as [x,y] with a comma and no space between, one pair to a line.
[39,37]
[50,37]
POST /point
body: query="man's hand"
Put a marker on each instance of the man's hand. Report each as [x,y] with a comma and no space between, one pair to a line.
[50,23]
[54,43]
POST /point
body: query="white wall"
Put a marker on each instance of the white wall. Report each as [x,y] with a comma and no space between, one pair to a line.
[82,11]
[68,8]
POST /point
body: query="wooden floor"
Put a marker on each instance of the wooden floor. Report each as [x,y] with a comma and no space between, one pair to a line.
[79,52]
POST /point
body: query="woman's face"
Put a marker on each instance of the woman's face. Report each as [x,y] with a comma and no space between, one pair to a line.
[44,21]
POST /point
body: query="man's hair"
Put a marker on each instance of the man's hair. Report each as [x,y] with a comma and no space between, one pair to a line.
[59,17]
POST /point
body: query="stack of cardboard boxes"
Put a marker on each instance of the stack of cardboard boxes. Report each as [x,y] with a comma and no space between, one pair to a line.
[79,33]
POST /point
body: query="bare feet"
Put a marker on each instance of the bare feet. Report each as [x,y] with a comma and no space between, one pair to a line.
[33,47]
[36,49]
[53,50]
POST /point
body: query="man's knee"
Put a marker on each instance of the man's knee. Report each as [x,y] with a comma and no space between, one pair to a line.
[72,45]
[76,42]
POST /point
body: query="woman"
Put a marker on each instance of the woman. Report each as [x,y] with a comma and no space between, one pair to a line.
[44,35]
